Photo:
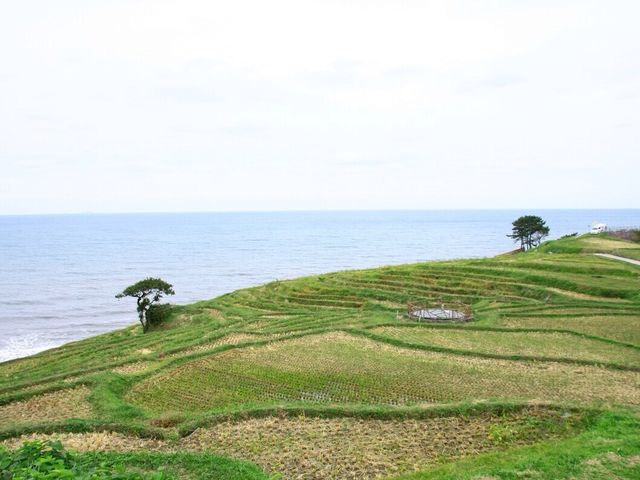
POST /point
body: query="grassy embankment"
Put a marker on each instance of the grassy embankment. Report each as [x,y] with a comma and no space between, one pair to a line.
[318,377]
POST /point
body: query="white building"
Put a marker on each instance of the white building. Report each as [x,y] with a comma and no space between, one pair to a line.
[598,228]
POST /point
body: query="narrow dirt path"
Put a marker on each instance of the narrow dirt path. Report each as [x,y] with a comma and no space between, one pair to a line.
[615,257]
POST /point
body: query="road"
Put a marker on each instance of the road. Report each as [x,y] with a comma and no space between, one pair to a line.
[615,257]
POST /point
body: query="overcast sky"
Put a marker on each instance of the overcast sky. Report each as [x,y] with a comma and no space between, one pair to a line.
[117,106]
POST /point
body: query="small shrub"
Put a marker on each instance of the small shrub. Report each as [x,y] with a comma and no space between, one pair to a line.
[158,313]
[574,234]
[49,460]
[501,433]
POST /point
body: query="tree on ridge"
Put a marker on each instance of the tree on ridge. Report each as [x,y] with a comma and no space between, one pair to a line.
[529,230]
[147,292]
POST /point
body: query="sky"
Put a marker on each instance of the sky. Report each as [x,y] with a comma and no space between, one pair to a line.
[141,106]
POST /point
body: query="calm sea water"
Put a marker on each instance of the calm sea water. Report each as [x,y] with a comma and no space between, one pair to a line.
[59,273]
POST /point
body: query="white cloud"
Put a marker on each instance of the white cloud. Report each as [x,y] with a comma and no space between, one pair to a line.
[198,105]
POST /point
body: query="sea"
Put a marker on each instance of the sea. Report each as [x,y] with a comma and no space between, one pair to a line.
[59,274]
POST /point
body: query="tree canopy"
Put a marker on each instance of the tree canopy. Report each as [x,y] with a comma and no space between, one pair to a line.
[147,292]
[529,231]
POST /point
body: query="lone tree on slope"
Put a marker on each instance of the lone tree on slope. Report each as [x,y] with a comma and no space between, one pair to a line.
[147,292]
[529,230]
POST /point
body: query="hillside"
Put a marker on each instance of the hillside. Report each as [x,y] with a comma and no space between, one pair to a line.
[324,376]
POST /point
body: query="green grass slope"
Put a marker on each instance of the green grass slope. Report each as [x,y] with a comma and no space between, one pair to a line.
[325,377]
[601,243]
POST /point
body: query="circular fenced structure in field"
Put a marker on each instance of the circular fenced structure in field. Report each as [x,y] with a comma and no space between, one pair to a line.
[452,312]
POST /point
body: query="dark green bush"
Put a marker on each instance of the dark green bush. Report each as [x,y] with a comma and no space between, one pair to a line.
[39,459]
[158,313]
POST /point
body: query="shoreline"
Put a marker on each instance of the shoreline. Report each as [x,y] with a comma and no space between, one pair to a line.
[26,342]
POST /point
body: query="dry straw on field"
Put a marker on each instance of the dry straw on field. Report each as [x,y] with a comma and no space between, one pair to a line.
[132,368]
[95,441]
[339,448]
[54,406]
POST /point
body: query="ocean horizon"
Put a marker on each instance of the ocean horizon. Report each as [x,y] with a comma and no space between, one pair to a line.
[59,273]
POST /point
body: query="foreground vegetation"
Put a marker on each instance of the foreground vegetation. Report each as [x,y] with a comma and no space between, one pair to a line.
[324,376]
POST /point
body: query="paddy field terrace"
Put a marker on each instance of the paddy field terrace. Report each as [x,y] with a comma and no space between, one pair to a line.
[324,377]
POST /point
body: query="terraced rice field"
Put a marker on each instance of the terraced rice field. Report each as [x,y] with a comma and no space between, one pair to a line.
[339,368]
[348,447]
[48,407]
[317,448]
[622,327]
[516,343]
[326,377]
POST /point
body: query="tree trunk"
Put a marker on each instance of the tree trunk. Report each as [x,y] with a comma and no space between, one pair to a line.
[141,315]
[142,321]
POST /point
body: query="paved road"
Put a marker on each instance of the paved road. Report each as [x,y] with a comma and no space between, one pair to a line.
[615,257]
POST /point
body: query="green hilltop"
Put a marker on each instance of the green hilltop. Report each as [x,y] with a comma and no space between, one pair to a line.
[326,377]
